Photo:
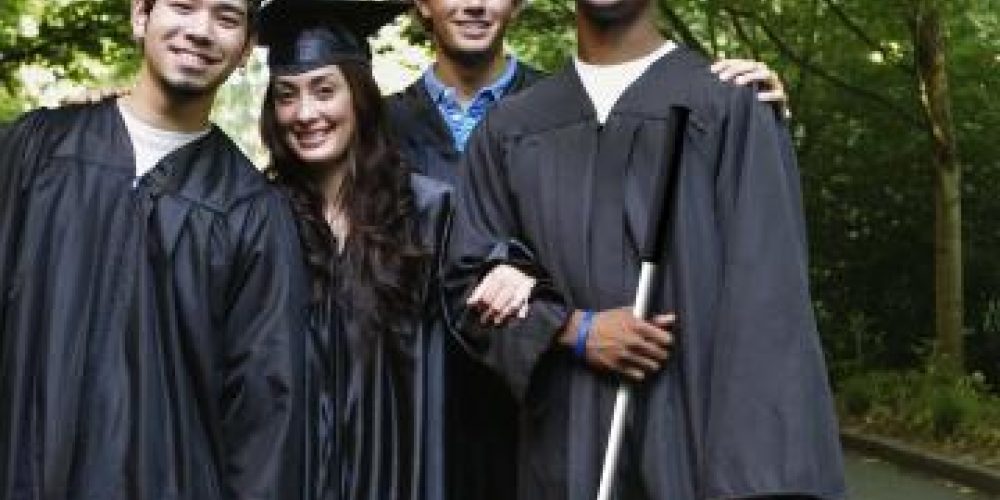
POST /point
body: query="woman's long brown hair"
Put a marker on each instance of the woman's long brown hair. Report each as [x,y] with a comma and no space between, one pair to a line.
[379,275]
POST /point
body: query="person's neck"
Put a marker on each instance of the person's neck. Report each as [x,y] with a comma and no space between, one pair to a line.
[615,44]
[153,104]
[468,77]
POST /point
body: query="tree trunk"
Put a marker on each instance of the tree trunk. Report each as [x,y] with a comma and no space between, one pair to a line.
[930,46]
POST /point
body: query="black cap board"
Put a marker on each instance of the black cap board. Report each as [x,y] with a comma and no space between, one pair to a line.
[302,35]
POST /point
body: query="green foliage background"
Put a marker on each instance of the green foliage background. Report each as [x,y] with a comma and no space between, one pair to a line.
[80,40]
[861,137]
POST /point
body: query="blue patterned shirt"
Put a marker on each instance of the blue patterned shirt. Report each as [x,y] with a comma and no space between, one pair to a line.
[461,121]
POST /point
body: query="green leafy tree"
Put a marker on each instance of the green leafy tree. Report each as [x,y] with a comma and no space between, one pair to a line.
[80,40]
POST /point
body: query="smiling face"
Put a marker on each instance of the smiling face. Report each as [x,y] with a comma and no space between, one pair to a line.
[192,46]
[315,115]
[468,28]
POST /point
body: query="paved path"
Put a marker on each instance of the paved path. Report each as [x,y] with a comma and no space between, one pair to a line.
[873,479]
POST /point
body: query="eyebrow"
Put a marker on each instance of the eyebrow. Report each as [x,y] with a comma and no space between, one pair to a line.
[231,6]
[321,78]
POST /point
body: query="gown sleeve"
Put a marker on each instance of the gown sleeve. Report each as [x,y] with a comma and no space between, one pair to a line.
[436,223]
[267,298]
[19,144]
[772,427]
[485,234]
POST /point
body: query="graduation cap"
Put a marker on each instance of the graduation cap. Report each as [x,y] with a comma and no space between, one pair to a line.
[302,35]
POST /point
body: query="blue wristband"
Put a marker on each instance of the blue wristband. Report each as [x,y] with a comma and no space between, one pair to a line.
[582,332]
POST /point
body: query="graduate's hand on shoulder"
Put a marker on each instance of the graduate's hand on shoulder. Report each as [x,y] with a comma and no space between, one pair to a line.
[620,343]
[747,72]
[502,294]
[90,96]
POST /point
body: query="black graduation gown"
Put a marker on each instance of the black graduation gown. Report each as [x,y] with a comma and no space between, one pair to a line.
[743,407]
[422,133]
[146,332]
[481,416]
[374,408]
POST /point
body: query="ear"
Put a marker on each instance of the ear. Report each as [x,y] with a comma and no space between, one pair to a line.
[423,9]
[140,17]
[518,7]
[248,48]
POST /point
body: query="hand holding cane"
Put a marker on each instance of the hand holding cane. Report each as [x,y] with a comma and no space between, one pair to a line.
[658,236]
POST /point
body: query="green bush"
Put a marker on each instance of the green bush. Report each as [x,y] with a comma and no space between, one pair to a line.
[925,406]
[857,397]
[950,409]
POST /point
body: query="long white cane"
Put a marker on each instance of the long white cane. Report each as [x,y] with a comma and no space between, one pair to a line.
[658,234]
